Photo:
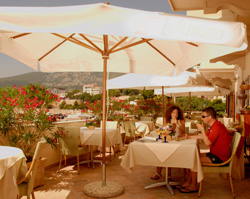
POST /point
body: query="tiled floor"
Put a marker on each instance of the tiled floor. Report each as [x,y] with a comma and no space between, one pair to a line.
[69,185]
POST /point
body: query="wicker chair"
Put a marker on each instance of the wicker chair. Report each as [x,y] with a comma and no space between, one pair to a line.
[225,167]
[71,145]
[26,187]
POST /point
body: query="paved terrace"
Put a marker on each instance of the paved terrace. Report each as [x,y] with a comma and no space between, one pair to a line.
[68,185]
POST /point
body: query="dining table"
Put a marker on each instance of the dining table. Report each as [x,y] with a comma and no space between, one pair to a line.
[93,137]
[179,154]
[226,121]
[145,126]
[12,168]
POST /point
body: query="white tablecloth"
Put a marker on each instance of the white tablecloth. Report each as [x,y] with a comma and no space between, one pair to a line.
[159,121]
[12,168]
[180,154]
[145,126]
[94,137]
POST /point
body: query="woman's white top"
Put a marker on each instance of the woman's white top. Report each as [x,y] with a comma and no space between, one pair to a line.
[177,129]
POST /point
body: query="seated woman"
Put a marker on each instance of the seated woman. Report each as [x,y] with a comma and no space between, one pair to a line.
[174,115]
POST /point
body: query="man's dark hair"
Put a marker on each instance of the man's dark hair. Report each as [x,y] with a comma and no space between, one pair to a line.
[210,111]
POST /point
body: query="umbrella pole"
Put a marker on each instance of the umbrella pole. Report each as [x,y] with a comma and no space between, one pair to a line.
[189,103]
[163,106]
[104,110]
[104,121]
[104,189]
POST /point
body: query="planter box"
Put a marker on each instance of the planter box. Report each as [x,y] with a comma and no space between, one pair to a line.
[91,127]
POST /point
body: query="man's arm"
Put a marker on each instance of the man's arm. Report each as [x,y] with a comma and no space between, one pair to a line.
[203,134]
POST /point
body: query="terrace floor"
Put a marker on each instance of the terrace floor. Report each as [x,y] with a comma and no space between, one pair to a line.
[69,185]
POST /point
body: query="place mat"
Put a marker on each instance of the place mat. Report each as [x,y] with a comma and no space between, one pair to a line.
[161,151]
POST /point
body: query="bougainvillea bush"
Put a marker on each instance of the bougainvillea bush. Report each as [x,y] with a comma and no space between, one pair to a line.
[24,118]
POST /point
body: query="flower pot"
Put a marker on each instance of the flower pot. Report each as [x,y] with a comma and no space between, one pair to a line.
[242,96]
[91,127]
[244,87]
[245,112]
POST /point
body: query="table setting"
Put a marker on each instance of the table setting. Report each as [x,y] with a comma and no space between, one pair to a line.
[93,137]
[12,168]
[183,153]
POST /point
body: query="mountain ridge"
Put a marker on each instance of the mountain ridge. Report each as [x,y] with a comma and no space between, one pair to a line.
[67,80]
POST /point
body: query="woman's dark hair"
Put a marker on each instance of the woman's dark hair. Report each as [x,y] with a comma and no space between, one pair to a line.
[210,111]
[170,110]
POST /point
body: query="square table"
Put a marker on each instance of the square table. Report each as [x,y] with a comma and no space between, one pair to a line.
[226,121]
[145,126]
[12,168]
[94,137]
[180,154]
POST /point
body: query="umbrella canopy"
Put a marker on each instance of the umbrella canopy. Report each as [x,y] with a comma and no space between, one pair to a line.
[194,90]
[141,81]
[71,39]
[197,90]
[84,38]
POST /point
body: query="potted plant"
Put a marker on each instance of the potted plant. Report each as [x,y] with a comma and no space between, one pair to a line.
[91,124]
[24,119]
[23,116]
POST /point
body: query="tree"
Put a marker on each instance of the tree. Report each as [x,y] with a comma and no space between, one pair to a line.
[130,92]
[114,93]
[218,105]
[71,95]
[96,97]
[76,105]
[197,103]
[146,94]
[62,105]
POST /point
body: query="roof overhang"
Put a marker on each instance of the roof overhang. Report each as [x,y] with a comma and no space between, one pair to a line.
[220,74]
[241,7]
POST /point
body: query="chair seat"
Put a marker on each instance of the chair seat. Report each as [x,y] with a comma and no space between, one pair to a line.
[23,187]
[221,169]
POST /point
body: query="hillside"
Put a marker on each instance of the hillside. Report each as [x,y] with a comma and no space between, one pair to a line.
[67,80]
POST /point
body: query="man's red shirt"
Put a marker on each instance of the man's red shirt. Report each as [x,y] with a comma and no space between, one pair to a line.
[219,137]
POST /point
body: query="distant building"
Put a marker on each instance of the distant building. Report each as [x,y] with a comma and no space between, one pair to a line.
[60,92]
[92,89]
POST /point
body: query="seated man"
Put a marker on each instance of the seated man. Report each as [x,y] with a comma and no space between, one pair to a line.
[217,138]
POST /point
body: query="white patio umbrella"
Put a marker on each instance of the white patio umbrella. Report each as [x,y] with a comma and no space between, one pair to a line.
[194,91]
[83,38]
[145,81]
[141,81]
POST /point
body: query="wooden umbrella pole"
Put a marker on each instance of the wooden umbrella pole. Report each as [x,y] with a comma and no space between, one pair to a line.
[189,103]
[163,106]
[104,111]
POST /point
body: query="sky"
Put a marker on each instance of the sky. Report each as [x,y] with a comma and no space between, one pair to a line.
[11,67]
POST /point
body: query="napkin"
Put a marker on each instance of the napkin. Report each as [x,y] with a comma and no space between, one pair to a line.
[149,138]
[162,150]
